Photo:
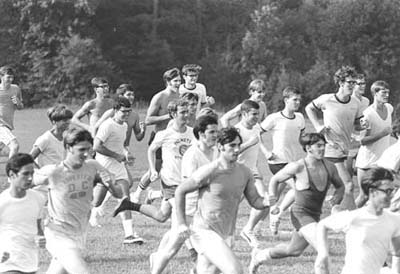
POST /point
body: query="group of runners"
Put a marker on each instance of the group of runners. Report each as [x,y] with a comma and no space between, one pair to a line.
[206,166]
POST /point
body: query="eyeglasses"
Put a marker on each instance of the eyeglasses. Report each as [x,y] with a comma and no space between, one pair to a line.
[125,110]
[361,83]
[387,191]
[103,86]
[351,82]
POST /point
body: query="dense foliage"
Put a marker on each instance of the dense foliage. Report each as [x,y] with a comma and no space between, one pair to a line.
[58,45]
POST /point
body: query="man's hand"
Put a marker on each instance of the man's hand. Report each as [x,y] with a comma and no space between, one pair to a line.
[4,257]
[153,175]
[321,264]
[183,231]
[40,241]
[142,126]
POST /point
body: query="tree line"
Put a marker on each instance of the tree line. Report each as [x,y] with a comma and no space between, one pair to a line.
[57,46]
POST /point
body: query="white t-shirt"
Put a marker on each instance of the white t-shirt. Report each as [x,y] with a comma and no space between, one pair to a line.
[249,157]
[339,117]
[18,228]
[369,154]
[390,158]
[173,146]
[113,137]
[191,161]
[285,136]
[51,149]
[368,238]
[199,89]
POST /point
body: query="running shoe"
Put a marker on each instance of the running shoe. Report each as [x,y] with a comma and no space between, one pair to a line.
[133,239]
[250,238]
[255,262]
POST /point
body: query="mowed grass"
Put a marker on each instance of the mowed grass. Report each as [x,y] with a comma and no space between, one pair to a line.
[105,252]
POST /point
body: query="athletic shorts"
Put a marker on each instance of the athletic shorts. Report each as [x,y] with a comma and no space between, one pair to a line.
[336,160]
[57,242]
[300,217]
[202,239]
[168,191]
[6,135]
[276,167]
[158,151]
[335,151]
[115,167]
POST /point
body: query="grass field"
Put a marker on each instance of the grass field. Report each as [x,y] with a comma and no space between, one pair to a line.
[105,252]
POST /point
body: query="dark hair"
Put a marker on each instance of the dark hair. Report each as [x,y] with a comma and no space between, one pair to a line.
[17,161]
[208,111]
[308,139]
[227,135]
[396,128]
[191,68]
[189,96]
[373,177]
[121,102]
[378,86]
[171,74]
[96,81]
[6,70]
[201,124]
[343,72]
[76,135]
[58,113]
[247,105]
[290,91]
[123,88]
[173,105]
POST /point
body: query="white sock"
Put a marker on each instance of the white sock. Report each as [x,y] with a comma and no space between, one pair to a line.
[127,225]
[188,244]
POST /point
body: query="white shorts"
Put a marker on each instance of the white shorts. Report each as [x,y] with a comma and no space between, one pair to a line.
[115,167]
[6,135]
[57,242]
[202,239]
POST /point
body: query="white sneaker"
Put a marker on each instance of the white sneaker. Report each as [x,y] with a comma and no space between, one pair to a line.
[94,220]
[152,195]
[255,263]
[135,197]
[133,239]
[250,238]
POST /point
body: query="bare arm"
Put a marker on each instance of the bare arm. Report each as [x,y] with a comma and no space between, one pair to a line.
[321,265]
[230,115]
[369,139]
[99,147]
[252,196]
[289,171]
[19,104]
[139,128]
[396,255]
[84,110]
[337,182]
[151,157]
[152,116]
[312,113]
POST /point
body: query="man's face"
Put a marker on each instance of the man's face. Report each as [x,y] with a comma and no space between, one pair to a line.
[175,83]
[130,95]
[23,178]
[63,125]
[181,115]
[382,195]
[122,114]
[79,152]
[359,87]
[191,78]
[317,150]
[382,96]
[293,102]
[103,90]
[251,117]
[230,151]
[348,85]
[192,107]
[257,95]
[209,137]
[7,78]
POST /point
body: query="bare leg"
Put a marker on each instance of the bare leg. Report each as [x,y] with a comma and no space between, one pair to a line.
[348,198]
[361,198]
[71,262]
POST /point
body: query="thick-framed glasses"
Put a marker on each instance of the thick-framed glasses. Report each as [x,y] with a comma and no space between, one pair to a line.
[361,83]
[350,82]
[387,191]
[103,86]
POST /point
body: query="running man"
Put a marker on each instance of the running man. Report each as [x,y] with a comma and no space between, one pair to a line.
[249,150]
[158,115]
[111,154]
[190,74]
[256,91]
[371,231]
[199,154]
[286,127]
[313,176]
[48,148]
[69,186]
[10,100]
[377,136]
[221,185]
[341,114]
[20,214]
[94,108]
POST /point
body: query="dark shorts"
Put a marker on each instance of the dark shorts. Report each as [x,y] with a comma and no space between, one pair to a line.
[168,191]
[158,151]
[276,167]
[300,217]
[336,160]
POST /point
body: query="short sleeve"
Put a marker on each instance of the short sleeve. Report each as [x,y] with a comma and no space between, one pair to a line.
[102,133]
[159,138]
[268,123]
[320,102]
[41,143]
[341,221]
[302,121]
